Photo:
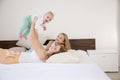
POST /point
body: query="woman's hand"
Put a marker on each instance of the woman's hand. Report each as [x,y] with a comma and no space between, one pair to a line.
[33,31]
[35,19]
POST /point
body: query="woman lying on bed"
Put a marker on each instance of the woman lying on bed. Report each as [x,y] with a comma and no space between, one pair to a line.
[39,54]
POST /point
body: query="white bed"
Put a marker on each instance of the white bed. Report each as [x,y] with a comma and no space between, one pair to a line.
[81,69]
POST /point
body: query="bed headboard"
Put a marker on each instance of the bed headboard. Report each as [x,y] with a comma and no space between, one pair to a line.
[8,43]
[83,44]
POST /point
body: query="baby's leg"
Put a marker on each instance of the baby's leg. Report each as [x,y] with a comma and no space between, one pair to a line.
[25,27]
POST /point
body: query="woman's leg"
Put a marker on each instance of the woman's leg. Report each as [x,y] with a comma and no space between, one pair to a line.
[8,56]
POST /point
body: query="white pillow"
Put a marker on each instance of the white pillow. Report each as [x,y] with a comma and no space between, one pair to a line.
[20,49]
[65,57]
[24,43]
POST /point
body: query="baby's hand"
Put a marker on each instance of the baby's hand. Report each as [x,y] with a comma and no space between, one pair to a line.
[44,28]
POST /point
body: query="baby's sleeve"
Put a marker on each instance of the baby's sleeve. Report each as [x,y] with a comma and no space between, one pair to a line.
[39,23]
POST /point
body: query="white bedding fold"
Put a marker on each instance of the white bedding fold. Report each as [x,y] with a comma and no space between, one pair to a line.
[52,71]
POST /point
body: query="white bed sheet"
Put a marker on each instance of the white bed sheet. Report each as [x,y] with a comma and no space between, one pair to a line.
[85,70]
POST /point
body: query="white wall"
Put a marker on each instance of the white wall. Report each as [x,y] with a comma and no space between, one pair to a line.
[118,22]
[78,18]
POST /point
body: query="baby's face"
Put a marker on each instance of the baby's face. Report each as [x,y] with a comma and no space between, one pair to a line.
[47,18]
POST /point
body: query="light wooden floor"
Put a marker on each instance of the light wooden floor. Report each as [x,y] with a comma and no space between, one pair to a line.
[114,75]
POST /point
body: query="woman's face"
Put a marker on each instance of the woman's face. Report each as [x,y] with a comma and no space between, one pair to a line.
[54,49]
[60,39]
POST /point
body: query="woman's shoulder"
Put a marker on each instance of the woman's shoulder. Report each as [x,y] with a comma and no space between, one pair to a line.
[51,41]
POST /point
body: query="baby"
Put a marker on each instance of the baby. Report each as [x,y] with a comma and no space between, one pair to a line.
[41,21]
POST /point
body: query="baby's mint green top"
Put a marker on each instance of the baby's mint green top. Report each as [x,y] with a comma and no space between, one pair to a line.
[26,25]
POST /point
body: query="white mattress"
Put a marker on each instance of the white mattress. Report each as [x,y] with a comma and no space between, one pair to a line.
[85,70]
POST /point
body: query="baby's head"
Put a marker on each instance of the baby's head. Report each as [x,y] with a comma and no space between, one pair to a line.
[48,17]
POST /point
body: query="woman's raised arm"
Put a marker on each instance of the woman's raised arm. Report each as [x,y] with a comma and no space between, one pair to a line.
[37,46]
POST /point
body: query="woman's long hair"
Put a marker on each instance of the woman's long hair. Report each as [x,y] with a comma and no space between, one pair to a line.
[67,45]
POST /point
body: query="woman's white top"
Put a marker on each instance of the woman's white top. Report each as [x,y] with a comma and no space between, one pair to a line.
[29,57]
